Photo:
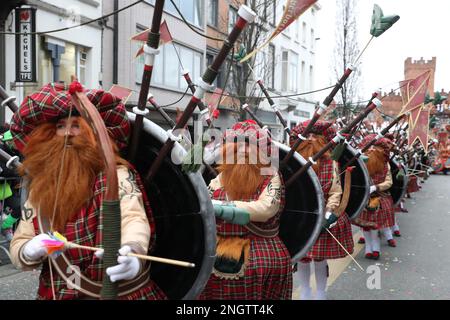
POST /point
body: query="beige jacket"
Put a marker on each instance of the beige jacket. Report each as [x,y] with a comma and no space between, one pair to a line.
[335,193]
[135,227]
[387,183]
[267,204]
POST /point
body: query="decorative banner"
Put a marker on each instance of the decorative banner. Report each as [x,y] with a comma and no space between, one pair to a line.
[121,92]
[380,22]
[25,45]
[414,92]
[165,37]
[420,129]
[293,10]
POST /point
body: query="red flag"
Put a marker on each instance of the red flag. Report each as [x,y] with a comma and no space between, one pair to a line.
[420,129]
[121,92]
[165,37]
[414,91]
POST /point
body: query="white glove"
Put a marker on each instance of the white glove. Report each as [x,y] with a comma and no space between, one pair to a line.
[128,267]
[34,249]
[327,216]
[373,189]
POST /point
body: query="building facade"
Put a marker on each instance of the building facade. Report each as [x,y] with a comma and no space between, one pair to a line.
[186,51]
[60,55]
[290,59]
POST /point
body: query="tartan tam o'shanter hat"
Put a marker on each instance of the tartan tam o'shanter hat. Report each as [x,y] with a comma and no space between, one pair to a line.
[384,143]
[323,128]
[53,102]
[250,132]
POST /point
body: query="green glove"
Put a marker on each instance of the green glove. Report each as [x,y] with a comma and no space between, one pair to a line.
[9,222]
[330,220]
[193,159]
[232,214]
[337,151]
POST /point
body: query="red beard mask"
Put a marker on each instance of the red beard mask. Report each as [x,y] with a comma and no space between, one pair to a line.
[309,148]
[75,166]
[240,178]
[376,161]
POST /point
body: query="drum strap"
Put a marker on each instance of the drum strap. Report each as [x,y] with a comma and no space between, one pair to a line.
[260,232]
[346,192]
[77,280]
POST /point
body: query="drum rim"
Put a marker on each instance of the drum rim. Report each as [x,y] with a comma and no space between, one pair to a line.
[405,180]
[367,180]
[320,200]
[206,210]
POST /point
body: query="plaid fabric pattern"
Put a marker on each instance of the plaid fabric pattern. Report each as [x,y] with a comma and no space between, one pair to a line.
[384,217]
[412,184]
[325,246]
[53,102]
[226,229]
[323,128]
[86,228]
[268,274]
[384,143]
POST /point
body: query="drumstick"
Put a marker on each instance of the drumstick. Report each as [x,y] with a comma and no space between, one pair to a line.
[163,260]
[140,256]
[344,249]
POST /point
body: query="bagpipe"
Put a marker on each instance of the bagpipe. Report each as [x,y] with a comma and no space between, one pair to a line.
[180,201]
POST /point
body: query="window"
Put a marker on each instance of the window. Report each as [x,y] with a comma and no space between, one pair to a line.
[191,10]
[68,63]
[312,39]
[304,32]
[232,18]
[311,77]
[293,72]
[296,30]
[213,11]
[284,70]
[302,76]
[301,113]
[270,74]
[167,71]
[82,59]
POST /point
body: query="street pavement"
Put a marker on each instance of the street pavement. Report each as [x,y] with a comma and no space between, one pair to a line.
[418,268]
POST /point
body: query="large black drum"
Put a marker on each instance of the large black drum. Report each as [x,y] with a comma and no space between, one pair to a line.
[184,218]
[302,218]
[303,215]
[360,183]
[399,182]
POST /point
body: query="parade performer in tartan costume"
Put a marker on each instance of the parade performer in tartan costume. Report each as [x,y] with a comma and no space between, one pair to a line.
[66,181]
[252,262]
[337,222]
[379,213]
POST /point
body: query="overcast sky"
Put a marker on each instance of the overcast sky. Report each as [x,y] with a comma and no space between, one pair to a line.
[422,31]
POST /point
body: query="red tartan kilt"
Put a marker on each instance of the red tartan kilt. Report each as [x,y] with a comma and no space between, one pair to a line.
[327,248]
[383,217]
[150,292]
[268,275]
[412,185]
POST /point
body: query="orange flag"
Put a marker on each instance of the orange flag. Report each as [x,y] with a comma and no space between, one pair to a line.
[165,37]
[420,129]
[121,92]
